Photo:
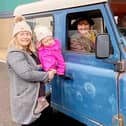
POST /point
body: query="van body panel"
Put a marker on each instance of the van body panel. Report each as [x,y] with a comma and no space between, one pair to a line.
[46,5]
[85,97]
[81,89]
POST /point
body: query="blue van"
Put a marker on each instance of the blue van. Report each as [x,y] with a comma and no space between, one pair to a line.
[93,89]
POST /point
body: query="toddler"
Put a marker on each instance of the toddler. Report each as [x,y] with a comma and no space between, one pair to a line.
[50,56]
[49,50]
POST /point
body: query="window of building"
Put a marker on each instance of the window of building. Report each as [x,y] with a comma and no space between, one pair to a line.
[42,21]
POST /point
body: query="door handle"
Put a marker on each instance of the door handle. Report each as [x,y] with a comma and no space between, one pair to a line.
[68,76]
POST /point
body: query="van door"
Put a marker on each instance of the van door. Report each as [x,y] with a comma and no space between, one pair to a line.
[89,90]
[89,86]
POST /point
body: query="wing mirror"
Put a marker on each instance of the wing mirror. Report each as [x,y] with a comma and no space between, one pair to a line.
[102,46]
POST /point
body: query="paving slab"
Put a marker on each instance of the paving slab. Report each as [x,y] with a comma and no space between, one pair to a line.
[5,115]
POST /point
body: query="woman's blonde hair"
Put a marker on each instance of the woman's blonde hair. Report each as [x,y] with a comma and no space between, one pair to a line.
[20,24]
[14,44]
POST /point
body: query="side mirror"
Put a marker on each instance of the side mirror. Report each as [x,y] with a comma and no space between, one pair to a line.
[102,46]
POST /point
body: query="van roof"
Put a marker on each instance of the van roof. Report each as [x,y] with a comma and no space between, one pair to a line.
[50,5]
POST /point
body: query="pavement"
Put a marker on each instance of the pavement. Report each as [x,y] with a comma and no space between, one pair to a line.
[48,117]
[5,115]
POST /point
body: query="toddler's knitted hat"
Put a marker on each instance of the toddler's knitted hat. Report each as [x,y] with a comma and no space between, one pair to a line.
[20,25]
[41,32]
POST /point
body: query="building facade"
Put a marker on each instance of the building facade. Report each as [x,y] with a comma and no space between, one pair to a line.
[6,23]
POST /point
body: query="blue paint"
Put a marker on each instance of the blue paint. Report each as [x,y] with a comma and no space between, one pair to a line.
[88,92]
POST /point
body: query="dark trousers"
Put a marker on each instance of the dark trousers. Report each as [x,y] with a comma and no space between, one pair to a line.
[42,89]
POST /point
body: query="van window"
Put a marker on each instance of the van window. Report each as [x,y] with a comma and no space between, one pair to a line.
[44,21]
[84,42]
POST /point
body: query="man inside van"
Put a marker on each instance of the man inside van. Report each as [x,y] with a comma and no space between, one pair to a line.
[83,40]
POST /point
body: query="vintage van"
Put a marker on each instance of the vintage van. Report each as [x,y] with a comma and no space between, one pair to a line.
[93,89]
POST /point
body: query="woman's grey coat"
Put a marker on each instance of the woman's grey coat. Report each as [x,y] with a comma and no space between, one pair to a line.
[24,85]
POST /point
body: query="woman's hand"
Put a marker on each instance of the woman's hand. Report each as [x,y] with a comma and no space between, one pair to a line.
[51,73]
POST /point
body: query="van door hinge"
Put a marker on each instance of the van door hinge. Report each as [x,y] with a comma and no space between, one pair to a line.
[120,66]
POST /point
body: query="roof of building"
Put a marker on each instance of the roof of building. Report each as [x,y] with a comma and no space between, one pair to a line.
[49,5]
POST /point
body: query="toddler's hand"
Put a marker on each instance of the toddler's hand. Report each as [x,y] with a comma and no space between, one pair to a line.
[39,65]
[53,70]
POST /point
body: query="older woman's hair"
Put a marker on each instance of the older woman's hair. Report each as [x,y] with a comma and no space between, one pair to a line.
[14,44]
[20,25]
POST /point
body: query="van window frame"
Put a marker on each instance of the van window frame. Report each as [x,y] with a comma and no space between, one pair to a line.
[81,13]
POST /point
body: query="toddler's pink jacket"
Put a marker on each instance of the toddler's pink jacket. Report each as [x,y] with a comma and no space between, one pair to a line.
[51,57]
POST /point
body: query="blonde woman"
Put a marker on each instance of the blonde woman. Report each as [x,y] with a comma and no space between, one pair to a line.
[24,75]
